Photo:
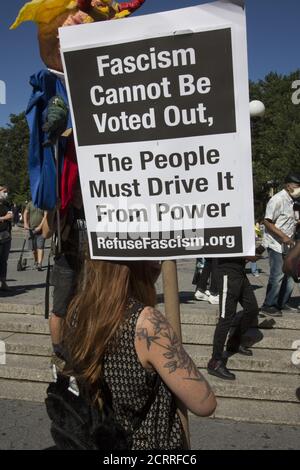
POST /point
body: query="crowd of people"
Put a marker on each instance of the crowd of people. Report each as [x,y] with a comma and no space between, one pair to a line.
[31,219]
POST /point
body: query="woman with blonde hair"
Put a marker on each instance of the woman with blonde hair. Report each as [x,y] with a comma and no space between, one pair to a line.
[112,330]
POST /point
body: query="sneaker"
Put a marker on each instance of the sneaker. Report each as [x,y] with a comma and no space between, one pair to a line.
[255,274]
[218,369]
[201,295]
[39,267]
[213,299]
[271,311]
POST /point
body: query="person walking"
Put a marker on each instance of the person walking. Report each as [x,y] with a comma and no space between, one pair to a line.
[280,222]
[6,216]
[33,222]
[113,330]
[234,288]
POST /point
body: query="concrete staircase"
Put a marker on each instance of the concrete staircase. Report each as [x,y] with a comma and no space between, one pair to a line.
[266,385]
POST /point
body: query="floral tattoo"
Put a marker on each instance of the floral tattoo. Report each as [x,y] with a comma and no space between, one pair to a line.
[176,356]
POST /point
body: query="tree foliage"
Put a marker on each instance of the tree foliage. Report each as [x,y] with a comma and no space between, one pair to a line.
[275,136]
[14,142]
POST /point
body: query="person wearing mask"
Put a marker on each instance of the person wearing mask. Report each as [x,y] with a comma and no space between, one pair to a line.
[280,223]
[113,330]
[6,216]
[33,222]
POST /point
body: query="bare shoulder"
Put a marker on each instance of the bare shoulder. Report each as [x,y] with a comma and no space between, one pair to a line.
[150,315]
[152,330]
[152,322]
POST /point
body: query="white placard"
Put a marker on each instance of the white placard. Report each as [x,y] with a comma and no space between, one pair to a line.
[160,106]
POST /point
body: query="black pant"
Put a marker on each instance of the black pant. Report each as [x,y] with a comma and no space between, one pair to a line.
[234,288]
[209,271]
[4,253]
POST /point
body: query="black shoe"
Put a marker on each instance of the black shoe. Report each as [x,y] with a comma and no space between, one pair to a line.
[245,351]
[271,311]
[39,267]
[218,369]
[4,287]
[266,324]
[234,348]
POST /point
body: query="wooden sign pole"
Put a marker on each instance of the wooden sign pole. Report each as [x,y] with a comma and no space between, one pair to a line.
[172,309]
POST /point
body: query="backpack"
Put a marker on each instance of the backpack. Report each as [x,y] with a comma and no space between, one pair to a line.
[79,424]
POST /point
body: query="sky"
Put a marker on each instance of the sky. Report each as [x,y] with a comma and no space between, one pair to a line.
[273,44]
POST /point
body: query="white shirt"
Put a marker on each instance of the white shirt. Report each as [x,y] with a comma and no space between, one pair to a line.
[280,211]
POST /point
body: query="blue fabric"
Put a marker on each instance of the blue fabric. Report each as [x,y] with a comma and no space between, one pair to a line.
[42,168]
[280,286]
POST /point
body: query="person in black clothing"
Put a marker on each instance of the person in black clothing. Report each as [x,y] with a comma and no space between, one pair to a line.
[234,288]
[16,214]
[5,235]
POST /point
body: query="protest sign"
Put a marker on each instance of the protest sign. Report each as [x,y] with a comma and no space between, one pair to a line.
[160,107]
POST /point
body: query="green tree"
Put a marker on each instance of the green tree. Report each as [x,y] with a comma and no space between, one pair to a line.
[14,141]
[275,136]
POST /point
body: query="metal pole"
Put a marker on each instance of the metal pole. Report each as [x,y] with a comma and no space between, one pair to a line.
[172,309]
[56,155]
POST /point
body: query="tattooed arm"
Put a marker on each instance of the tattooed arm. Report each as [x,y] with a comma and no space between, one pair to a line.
[159,348]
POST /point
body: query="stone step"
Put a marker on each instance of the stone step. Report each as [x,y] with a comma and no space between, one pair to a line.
[266,339]
[255,411]
[196,313]
[263,360]
[24,367]
[25,323]
[236,409]
[22,308]
[34,323]
[197,335]
[290,321]
[37,368]
[257,386]
[40,344]
[28,344]
[21,390]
